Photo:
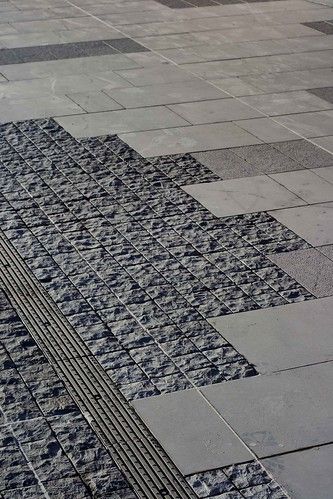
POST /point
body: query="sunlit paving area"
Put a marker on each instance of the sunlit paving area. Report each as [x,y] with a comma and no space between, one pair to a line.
[166,249]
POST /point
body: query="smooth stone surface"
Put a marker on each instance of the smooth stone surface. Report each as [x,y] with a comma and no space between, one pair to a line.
[279,412]
[325,172]
[191,432]
[281,337]
[310,268]
[188,139]
[125,120]
[267,130]
[316,124]
[325,142]
[305,474]
[237,196]
[94,101]
[312,223]
[307,185]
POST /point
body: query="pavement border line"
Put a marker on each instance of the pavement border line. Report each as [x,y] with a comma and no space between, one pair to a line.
[144,463]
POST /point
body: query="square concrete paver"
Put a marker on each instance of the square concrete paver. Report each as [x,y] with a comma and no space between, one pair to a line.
[281,337]
[313,223]
[188,139]
[310,268]
[281,412]
[306,474]
[191,432]
[243,195]
[307,185]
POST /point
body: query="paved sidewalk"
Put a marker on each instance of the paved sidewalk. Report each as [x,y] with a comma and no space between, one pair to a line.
[166,175]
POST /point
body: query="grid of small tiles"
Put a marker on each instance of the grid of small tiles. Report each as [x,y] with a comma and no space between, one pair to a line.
[249,480]
[47,448]
[135,264]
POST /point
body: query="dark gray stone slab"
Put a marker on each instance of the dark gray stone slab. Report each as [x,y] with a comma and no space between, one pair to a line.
[322,26]
[325,93]
[305,474]
[280,412]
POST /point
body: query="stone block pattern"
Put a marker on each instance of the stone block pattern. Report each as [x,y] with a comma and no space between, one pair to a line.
[47,448]
[248,480]
[134,263]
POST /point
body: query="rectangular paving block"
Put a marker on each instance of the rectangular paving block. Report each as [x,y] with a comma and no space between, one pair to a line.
[282,337]
[191,432]
[214,111]
[306,184]
[188,139]
[267,130]
[313,223]
[304,474]
[325,142]
[94,101]
[242,195]
[281,412]
[94,124]
[310,268]
[163,73]
[170,93]
[314,124]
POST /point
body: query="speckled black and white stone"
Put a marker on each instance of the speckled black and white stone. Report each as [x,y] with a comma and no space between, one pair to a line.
[134,263]
[47,448]
[249,480]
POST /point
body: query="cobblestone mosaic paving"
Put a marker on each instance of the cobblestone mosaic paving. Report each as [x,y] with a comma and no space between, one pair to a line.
[47,448]
[249,480]
[134,263]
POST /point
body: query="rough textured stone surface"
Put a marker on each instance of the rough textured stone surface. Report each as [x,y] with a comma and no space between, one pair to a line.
[132,261]
[45,452]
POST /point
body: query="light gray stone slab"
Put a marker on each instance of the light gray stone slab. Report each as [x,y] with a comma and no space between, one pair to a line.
[306,184]
[94,101]
[325,142]
[187,139]
[214,111]
[280,412]
[310,268]
[327,250]
[313,223]
[282,337]
[242,195]
[317,124]
[42,107]
[236,86]
[286,103]
[294,80]
[267,130]
[305,474]
[191,432]
[154,75]
[170,93]
[91,125]
[326,172]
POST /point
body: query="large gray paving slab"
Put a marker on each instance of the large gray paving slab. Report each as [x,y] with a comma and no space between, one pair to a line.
[306,153]
[188,139]
[22,109]
[314,124]
[169,93]
[214,111]
[280,412]
[313,223]
[327,250]
[94,124]
[326,172]
[191,432]
[294,80]
[242,195]
[226,164]
[94,101]
[304,474]
[267,130]
[282,337]
[306,184]
[164,73]
[325,142]
[310,268]
[286,103]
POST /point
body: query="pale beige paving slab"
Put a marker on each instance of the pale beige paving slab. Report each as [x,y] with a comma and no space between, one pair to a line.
[214,111]
[93,124]
[242,195]
[187,139]
[281,337]
[278,413]
[190,431]
[313,223]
